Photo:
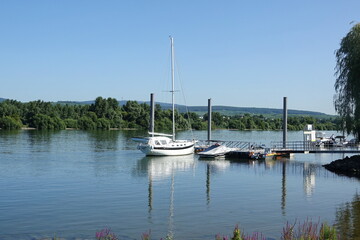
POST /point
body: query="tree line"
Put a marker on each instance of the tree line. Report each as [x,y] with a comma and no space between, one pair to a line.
[105,114]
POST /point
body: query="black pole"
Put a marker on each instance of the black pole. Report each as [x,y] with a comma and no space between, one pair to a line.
[285,123]
[209,120]
[152,114]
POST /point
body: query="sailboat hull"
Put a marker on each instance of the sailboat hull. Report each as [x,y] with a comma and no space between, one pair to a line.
[151,150]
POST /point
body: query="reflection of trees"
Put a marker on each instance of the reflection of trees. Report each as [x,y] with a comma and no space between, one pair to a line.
[104,140]
[348,219]
[40,137]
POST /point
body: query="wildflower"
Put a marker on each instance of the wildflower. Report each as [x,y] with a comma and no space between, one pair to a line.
[105,234]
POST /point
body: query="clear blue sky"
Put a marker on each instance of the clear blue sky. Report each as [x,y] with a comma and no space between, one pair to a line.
[239,53]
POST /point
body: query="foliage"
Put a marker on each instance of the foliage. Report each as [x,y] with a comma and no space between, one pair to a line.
[71,123]
[347,85]
[348,219]
[103,123]
[10,123]
[105,234]
[86,123]
[104,114]
[236,234]
[309,230]
[42,121]
[146,236]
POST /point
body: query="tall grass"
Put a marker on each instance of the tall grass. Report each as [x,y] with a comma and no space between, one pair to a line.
[307,230]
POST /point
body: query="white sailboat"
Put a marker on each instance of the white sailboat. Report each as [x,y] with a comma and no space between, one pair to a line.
[159,144]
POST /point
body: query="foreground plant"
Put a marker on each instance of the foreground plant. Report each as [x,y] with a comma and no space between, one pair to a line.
[105,234]
[309,230]
[237,235]
[254,236]
[328,232]
[146,236]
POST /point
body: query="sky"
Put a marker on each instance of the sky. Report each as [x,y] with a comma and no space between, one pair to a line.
[237,52]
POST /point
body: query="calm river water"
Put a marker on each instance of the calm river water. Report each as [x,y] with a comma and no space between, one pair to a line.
[70,184]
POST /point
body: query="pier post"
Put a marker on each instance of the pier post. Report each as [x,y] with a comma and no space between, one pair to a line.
[209,120]
[285,122]
[152,114]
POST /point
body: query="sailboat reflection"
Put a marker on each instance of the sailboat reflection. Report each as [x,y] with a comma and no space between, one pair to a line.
[162,168]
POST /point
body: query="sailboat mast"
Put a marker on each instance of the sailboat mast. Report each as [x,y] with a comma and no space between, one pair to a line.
[172,87]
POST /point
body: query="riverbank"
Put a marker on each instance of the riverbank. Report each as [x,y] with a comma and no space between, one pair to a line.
[349,166]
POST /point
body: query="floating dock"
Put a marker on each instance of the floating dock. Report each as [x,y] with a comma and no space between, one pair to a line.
[249,150]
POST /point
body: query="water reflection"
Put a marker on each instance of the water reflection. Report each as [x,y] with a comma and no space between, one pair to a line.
[213,167]
[9,139]
[162,168]
[271,163]
[283,189]
[348,219]
[309,179]
[308,171]
[102,141]
[40,141]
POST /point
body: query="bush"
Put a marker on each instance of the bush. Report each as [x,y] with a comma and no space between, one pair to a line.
[103,124]
[42,122]
[86,123]
[71,123]
[10,123]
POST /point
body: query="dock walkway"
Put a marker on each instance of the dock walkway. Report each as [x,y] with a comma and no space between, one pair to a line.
[243,149]
[311,147]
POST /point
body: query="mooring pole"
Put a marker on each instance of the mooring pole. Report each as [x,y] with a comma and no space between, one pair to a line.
[152,114]
[285,122]
[209,120]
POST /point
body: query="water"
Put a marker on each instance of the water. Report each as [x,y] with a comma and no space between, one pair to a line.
[70,184]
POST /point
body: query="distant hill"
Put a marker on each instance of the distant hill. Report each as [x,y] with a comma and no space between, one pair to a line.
[230,111]
[2,99]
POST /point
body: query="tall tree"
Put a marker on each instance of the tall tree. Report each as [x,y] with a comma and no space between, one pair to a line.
[347,85]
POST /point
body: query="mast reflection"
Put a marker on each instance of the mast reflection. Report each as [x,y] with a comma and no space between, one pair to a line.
[162,168]
[208,184]
[283,189]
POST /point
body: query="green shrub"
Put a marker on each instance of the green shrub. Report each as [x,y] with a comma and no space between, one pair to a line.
[10,123]
[86,123]
[71,123]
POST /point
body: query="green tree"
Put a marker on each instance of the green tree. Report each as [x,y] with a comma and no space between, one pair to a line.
[103,124]
[347,85]
[71,123]
[10,123]
[43,122]
[86,123]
